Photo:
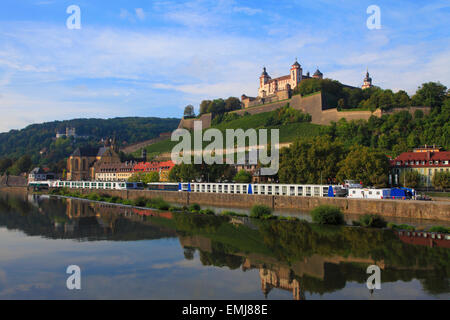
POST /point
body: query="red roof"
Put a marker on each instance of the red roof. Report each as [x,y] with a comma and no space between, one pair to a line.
[153,166]
[423,159]
[280,78]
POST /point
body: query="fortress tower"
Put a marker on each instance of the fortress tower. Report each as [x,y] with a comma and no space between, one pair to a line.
[269,86]
[367,81]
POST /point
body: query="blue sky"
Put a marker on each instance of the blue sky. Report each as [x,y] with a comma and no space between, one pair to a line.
[152,58]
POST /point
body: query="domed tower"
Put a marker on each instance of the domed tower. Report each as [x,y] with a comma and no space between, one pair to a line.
[367,81]
[263,81]
[296,74]
[318,74]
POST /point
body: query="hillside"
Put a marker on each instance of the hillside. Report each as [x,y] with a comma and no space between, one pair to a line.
[288,131]
[39,140]
[392,133]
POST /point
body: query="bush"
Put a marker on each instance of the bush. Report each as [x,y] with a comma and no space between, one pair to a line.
[243,177]
[157,203]
[116,199]
[372,221]
[394,226]
[440,229]
[234,214]
[194,207]
[93,196]
[127,202]
[140,202]
[207,211]
[260,211]
[326,214]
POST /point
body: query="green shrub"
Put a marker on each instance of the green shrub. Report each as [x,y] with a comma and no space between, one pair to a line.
[116,199]
[372,221]
[93,196]
[260,211]
[394,226]
[194,207]
[356,223]
[234,214]
[160,204]
[207,211]
[326,214]
[140,202]
[440,229]
[127,202]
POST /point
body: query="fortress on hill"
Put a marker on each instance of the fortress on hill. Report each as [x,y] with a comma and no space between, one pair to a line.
[277,92]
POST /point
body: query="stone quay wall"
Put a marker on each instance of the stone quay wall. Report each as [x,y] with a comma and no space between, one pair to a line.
[434,210]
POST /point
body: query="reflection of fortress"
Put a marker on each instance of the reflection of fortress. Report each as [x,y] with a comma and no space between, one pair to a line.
[272,279]
[276,274]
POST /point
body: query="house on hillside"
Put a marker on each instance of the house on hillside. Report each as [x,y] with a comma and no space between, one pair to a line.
[426,160]
[38,174]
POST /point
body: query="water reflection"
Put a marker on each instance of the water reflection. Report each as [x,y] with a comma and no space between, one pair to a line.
[289,259]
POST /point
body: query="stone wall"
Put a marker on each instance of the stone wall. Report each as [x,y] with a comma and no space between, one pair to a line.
[262,108]
[13,181]
[412,110]
[434,210]
[312,104]
[189,123]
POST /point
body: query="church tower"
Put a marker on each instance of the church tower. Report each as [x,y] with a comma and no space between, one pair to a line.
[367,81]
[296,74]
[263,80]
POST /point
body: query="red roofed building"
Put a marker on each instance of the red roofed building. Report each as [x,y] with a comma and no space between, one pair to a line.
[163,168]
[426,160]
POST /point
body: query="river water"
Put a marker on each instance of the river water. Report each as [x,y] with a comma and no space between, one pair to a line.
[126,253]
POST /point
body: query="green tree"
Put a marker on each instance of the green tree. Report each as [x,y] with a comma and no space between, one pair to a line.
[310,161]
[145,177]
[341,104]
[441,180]
[189,111]
[23,164]
[402,99]
[232,103]
[409,178]
[5,163]
[204,105]
[365,164]
[243,177]
[152,177]
[430,94]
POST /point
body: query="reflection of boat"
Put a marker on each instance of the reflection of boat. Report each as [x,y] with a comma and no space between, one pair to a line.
[430,239]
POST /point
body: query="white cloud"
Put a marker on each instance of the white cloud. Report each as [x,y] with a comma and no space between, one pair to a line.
[247,10]
[140,13]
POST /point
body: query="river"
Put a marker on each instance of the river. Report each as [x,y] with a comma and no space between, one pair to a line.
[126,253]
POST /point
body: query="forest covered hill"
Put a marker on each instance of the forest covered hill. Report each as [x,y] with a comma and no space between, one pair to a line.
[40,143]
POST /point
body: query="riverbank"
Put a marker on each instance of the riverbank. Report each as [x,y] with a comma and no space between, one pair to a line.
[432,210]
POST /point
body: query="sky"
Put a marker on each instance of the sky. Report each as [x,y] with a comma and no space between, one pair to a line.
[152,58]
